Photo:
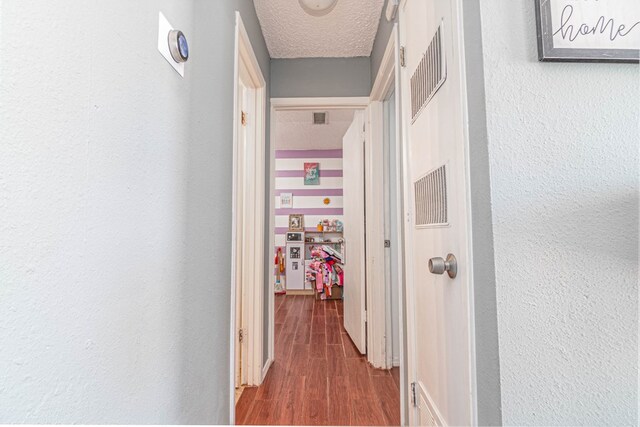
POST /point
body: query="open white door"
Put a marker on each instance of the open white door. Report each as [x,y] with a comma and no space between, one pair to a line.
[354,235]
[441,362]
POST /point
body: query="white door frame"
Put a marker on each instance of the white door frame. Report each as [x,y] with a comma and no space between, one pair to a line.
[387,81]
[378,305]
[409,347]
[288,104]
[250,218]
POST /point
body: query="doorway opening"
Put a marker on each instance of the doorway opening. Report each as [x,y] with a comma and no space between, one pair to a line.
[248,224]
[405,249]
[326,180]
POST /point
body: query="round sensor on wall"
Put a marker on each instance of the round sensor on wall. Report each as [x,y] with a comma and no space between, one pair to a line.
[178,46]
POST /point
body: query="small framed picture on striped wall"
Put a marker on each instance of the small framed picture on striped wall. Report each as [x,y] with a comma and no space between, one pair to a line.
[286,200]
[312,174]
[296,222]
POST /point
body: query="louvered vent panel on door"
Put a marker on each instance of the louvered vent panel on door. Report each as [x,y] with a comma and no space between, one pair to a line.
[429,75]
[431,198]
[426,413]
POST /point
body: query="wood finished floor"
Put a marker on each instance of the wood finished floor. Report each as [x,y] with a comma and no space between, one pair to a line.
[319,377]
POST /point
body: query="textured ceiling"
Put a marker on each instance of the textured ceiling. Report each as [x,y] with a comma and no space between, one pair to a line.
[294,130]
[347,31]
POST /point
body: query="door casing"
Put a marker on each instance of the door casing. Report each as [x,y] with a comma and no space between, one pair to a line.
[293,104]
[387,81]
[247,239]
[377,290]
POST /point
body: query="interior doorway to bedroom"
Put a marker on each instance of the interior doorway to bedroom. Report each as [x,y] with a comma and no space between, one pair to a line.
[321,369]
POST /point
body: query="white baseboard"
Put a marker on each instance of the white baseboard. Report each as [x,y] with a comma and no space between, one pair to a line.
[265,368]
[395,362]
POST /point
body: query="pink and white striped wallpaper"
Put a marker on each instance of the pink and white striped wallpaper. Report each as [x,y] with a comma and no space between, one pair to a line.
[307,199]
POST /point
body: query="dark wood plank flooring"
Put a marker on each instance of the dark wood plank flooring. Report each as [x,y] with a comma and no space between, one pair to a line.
[319,377]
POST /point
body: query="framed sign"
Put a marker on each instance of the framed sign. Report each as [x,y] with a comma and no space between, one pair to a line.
[311,174]
[286,200]
[588,30]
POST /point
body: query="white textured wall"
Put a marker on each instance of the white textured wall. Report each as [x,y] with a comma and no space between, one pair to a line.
[115,193]
[563,147]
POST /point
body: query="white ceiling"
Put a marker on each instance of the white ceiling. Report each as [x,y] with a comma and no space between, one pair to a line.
[294,130]
[347,31]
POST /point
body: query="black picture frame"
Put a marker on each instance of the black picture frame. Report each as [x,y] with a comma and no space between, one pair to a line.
[548,53]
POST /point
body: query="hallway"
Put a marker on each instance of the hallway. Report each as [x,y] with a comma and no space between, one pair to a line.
[319,378]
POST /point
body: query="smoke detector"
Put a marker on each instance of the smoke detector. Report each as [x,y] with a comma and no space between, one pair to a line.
[320,118]
[317,7]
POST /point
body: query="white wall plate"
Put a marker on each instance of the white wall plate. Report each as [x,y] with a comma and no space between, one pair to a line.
[163,45]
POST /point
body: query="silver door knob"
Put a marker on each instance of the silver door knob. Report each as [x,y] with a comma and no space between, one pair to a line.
[439,266]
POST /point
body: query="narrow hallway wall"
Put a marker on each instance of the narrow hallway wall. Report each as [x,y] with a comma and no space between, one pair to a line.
[320,77]
[563,151]
[380,43]
[310,77]
[115,199]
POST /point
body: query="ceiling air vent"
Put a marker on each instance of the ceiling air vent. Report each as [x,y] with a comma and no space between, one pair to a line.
[320,118]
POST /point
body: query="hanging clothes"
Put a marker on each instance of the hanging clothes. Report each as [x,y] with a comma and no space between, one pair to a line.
[325,270]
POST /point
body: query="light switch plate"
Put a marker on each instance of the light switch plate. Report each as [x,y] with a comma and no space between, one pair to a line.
[163,44]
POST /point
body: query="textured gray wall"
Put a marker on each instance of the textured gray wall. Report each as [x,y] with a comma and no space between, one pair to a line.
[563,152]
[115,195]
[487,353]
[380,43]
[320,77]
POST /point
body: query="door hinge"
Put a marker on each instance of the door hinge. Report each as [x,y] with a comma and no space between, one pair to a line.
[240,335]
[243,119]
[414,401]
[402,53]
[387,243]
[365,316]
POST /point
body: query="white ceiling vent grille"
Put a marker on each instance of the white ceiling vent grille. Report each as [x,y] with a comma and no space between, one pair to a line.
[429,75]
[431,198]
[320,118]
